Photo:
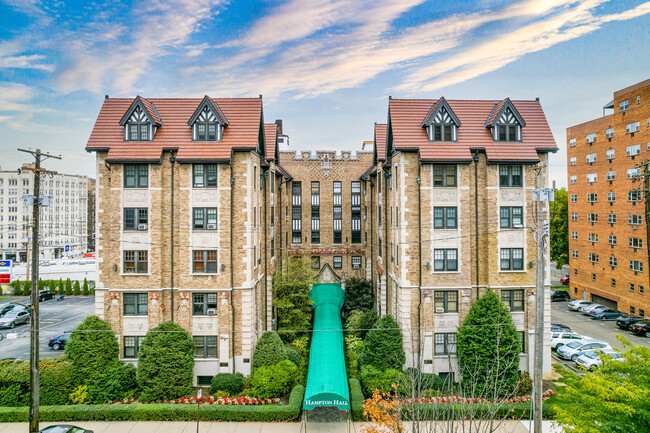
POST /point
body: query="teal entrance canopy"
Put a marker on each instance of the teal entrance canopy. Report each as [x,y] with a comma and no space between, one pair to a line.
[327,383]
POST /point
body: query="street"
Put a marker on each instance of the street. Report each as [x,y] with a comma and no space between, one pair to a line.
[56,318]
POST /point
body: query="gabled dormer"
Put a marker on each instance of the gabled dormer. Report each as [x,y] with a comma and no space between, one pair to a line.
[141,121]
[441,122]
[208,121]
[505,122]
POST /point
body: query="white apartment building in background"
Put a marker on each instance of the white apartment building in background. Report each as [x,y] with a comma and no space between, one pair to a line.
[64,223]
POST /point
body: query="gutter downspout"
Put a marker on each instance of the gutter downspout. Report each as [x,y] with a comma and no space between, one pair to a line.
[232,270]
[385,238]
[172,160]
[419,262]
[372,256]
[266,249]
[476,158]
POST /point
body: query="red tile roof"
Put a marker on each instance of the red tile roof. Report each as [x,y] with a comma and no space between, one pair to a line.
[150,109]
[380,141]
[244,116]
[271,137]
[406,117]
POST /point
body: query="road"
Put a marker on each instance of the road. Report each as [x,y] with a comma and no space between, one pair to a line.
[56,318]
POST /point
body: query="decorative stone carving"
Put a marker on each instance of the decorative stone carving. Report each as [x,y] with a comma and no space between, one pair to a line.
[447,322]
[205,325]
[513,196]
[135,325]
[445,196]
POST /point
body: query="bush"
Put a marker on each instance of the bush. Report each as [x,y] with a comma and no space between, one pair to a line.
[61,287]
[91,348]
[269,350]
[56,382]
[116,382]
[358,295]
[27,288]
[372,378]
[77,289]
[232,383]
[356,400]
[41,284]
[85,291]
[291,285]
[293,355]
[17,287]
[525,385]
[79,395]
[68,287]
[428,381]
[165,363]
[274,381]
[382,347]
[362,320]
[352,349]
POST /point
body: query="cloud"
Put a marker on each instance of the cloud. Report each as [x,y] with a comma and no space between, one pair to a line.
[11,56]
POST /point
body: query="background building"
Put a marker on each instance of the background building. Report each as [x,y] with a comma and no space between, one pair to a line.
[92,214]
[608,237]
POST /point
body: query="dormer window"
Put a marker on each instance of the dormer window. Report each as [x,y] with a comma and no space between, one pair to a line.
[138,126]
[140,121]
[505,122]
[507,128]
[441,123]
[208,121]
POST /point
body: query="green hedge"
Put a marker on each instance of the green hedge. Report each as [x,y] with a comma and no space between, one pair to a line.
[161,412]
[356,400]
[509,411]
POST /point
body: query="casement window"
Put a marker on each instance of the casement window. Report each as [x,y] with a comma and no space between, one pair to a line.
[574,179]
[592,237]
[611,218]
[511,217]
[633,150]
[635,219]
[635,242]
[574,254]
[634,195]
[633,172]
[204,261]
[204,175]
[574,235]
[338,262]
[592,177]
[355,207]
[611,196]
[592,197]
[609,133]
[641,290]
[507,132]
[356,262]
[593,257]
[135,304]
[136,262]
[138,131]
[205,304]
[205,346]
[296,212]
[613,261]
[611,175]
[572,160]
[204,218]
[446,301]
[337,212]
[592,217]
[591,137]
[131,346]
[610,154]
[445,218]
[574,216]
[136,219]
[315,212]
[611,240]
[572,142]
[632,310]
[624,105]
[636,265]
[514,299]
[444,343]
[631,128]
[315,262]
[510,176]
[574,198]
[512,259]
[444,175]
[631,287]
[591,157]
[445,260]
[136,175]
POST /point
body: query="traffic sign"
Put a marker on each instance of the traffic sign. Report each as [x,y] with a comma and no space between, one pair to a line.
[67,248]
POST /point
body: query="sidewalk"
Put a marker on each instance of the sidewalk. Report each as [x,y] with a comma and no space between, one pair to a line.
[239,427]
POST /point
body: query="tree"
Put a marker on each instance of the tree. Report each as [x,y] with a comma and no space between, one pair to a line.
[165,363]
[68,287]
[291,300]
[358,295]
[559,226]
[77,288]
[614,399]
[383,347]
[91,347]
[360,322]
[85,290]
[61,287]
[488,348]
[269,350]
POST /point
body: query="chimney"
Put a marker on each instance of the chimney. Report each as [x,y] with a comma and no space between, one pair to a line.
[390,97]
[105,96]
[260,96]
[537,99]
[278,122]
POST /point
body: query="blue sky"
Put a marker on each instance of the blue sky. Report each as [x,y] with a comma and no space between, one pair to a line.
[326,67]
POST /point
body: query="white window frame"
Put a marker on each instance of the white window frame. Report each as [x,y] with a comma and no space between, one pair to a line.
[592,177]
[574,179]
[610,154]
[572,160]
[633,150]
[572,142]
[591,157]
[611,175]
[590,138]
[609,133]
[633,127]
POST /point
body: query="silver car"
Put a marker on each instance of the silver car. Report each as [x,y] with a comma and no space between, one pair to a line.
[12,318]
[576,348]
[577,304]
[591,360]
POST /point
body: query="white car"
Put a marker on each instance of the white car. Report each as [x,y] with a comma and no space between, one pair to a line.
[592,309]
[592,360]
[561,338]
[577,304]
[576,348]
[586,308]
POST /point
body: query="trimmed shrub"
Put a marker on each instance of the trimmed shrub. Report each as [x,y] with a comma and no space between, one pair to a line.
[41,284]
[232,383]
[17,287]
[362,320]
[525,385]
[293,355]
[269,350]
[274,381]
[358,294]
[85,290]
[372,378]
[14,383]
[382,347]
[428,381]
[77,289]
[79,395]
[356,400]
[91,348]
[68,287]
[57,380]
[117,381]
[61,290]
[352,348]
[27,288]
[165,363]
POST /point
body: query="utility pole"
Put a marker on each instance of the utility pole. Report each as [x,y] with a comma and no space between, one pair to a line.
[34,386]
[645,167]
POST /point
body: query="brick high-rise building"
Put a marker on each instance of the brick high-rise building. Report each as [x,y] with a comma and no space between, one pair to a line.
[607,228]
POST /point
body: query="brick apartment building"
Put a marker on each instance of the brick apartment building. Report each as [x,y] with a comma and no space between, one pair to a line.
[240,205]
[608,241]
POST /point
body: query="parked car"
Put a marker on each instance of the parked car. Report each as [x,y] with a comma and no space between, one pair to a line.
[576,348]
[578,303]
[591,360]
[559,339]
[560,295]
[13,318]
[558,327]
[44,295]
[625,321]
[59,341]
[565,280]
[589,308]
[642,327]
[605,314]
[64,428]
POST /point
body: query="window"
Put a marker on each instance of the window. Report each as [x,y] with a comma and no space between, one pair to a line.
[511,217]
[205,346]
[592,217]
[611,218]
[592,177]
[635,242]
[204,262]
[135,262]
[512,259]
[611,239]
[633,150]
[206,127]
[631,287]
[356,212]
[507,132]
[634,219]
[445,260]
[136,175]
[337,213]
[572,160]
[592,197]
[338,262]
[445,218]
[444,129]
[135,304]
[574,254]
[641,312]
[356,262]
[574,216]
[444,343]
[636,265]
[632,310]
[510,175]
[444,175]
[611,196]
[574,235]
[315,212]
[591,157]
[611,175]
[447,300]
[205,176]
[634,195]
[205,304]
[131,346]
[593,257]
[631,128]
[138,126]
[609,133]
[522,340]
[624,105]
[592,237]
[204,218]
[572,142]
[633,172]
[136,218]
[296,213]
[514,299]
[574,179]
[315,262]
[591,137]
[613,261]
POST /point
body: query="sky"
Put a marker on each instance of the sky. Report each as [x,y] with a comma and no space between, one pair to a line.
[326,67]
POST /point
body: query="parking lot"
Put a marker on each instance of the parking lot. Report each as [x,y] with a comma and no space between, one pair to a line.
[56,318]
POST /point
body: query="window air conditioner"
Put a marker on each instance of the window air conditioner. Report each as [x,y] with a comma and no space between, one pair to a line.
[212,226]
[365,217]
[212,311]
[440,310]
[143,226]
